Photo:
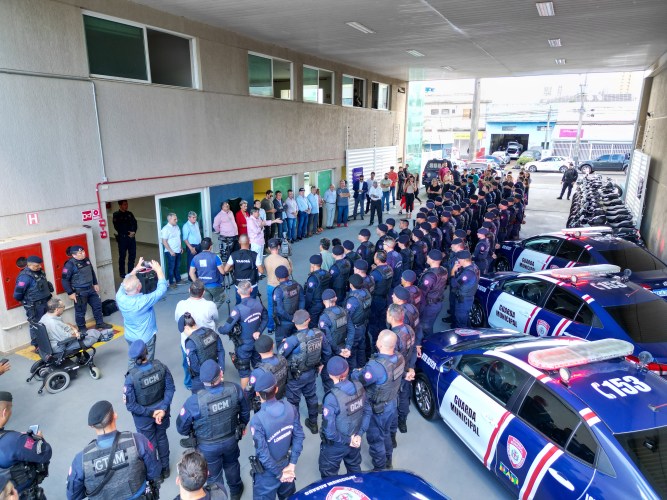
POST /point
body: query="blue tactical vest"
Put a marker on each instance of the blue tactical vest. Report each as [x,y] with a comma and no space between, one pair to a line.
[219,414]
[351,409]
[149,384]
[207,269]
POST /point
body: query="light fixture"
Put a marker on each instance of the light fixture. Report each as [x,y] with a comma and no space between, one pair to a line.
[360,27]
[415,53]
[554,42]
[447,68]
[545,9]
[560,61]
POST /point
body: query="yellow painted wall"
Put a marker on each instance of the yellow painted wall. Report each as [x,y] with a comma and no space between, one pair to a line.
[259,188]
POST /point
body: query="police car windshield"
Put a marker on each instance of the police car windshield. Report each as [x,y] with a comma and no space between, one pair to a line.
[644,322]
[490,343]
[645,449]
[632,257]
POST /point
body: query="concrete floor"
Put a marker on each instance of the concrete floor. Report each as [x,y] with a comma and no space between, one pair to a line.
[429,448]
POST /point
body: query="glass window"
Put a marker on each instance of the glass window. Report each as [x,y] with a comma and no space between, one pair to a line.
[310,84]
[529,289]
[632,257]
[269,77]
[282,79]
[169,56]
[548,415]
[467,112]
[542,244]
[496,377]
[569,251]
[645,449]
[604,158]
[585,257]
[380,96]
[353,91]
[644,322]
[583,444]
[563,303]
[435,111]
[586,316]
[445,111]
[317,85]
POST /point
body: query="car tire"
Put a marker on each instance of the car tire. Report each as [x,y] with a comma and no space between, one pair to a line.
[423,397]
[502,265]
[586,169]
[532,169]
[562,169]
[477,315]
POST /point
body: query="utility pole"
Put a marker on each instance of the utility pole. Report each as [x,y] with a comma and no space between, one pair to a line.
[582,110]
[546,130]
[474,120]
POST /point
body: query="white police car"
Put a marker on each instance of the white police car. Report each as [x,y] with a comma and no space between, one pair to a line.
[557,418]
[591,302]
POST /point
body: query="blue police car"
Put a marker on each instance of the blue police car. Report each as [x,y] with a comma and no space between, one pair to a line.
[557,418]
[591,302]
[582,247]
[397,485]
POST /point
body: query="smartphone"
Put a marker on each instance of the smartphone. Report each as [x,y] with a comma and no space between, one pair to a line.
[34,428]
[4,361]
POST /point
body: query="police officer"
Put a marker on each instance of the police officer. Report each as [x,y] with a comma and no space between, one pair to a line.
[402,297]
[346,415]
[126,228]
[419,250]
[318,281]
[358,307]
[481,254]
[504,219]
[201,344]
[252,317]
[394,260]
[382,377]
[404,226]
[278,438]
[288,296]
[208,268]
[366,248]
[381,232]
[408,280]
[337,329]
[80,283]
[465,278]
[407,257]
[391,232]
[519,210]
[361,269]
[457,245]
[217,416]
[24,456]
[147,394]
[247,266]
[350,254]
[435,232]
[383,276]
[447,229]
[304,352]
[33,290]
[432,284]
[95,474]
[274,363]
[340,273]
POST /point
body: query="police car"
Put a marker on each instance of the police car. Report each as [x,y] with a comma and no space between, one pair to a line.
[591,302]
[580,247]
[555,418]
[397,485]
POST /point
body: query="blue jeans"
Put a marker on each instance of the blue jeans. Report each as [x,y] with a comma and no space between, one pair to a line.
[312,222]
[359,203]
[291,228]
[392,190]
[173,267]
[303,225]
[385,200]
[342,213]
[269,298]
[187,379]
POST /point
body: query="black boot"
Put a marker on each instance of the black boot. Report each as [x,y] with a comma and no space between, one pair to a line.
[402,425]
[393,440]
[312,426]
[388,465]
[238,495]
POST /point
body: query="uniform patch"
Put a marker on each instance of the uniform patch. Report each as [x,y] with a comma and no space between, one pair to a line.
[368,375]
[253,379]
[29,443]
[349,306]
[464,278]
[311,284]
[325,411]
[426,282]
[542,328]
[234,312]
[252,430]
[150,445]
[321,324]
[516,452]
[21,283]
[182,412]
[345,493]
[124,389]
[64,270]
[285,346]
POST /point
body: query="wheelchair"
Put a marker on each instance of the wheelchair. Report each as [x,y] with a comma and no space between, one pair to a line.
[55,370]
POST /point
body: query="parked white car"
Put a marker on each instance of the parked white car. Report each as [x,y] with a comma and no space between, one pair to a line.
[548,164]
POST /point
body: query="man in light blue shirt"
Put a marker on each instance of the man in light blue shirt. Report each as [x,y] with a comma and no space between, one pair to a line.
[191,237]
[304,208]
[137,308]
[313,216]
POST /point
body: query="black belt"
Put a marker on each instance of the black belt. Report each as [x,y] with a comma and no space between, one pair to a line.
[83,288]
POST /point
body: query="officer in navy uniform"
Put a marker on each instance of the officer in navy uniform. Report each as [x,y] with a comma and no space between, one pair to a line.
[274,363]
[504,222]
[80,283]
[131,469]
[382,378]
[288,296]
[432,284]
[519,210]
[201,345]
[481,254]
[491,237]
[33,290]
[318,280]
[465,278]
[361,269]
[419,250]
[346,415]
[209,269]
[366,248]
[404,226]
[391,232]
[304,352]
[217,415]
[340,273]
[407,257]
[383,276]
[457,245]
[253,318]
[435,232]
[358,307]
[408,280]
[126,228]
[402,297]
[247,267]
[350,254]
[394,260]
[278,438]
[147,394]
[475,217]
[337,329]
[447,229]
[381,232]
[463,235]
[457,219]
[24,456]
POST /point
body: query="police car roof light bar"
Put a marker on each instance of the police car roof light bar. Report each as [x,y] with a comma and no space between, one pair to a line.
[581,272]
[579,354]
[578,231]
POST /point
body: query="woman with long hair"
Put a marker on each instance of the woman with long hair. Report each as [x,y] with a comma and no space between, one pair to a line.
[409,190]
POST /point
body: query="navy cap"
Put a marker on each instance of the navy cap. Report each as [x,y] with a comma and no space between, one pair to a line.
[474,197]
[328,294]
[491,206]
[98,411]
[418,233]
[302,189]
[487,224]
[264,344]
[403,239]
[432,219]
[402,293]
[463,254]
[456,207]
[338,250]
[518,196]
[316,259]
[460,233]
[430,204]
[409,275]
[361,264]
[438,199]
[75,248]
[357,281]
[407,221]
[34,259]
[457,241]
[209,371]
[337,366]
[300,317]
[348,245]
[391,222]
[365,232]
[262,380]
[435,255]
[464,204]
[274,243]
[282,272]
[446,213]
[137,349]
[449,195]
[483,230]
[425,226]
[423,210]
[383,228]
[421,216]
[503,202]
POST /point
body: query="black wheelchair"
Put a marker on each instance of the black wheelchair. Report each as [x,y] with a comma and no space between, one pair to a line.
[55,370]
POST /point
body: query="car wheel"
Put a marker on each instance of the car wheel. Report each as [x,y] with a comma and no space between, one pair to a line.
[57,381]
[562,169]
[586,169]
[502,264]
[477,315]
[423,397]
[532,169]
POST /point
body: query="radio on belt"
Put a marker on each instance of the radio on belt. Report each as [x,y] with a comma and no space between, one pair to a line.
[574,273]
[577,354]
[578,231]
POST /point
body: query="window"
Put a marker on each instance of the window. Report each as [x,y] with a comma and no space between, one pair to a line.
[317,85]
[435,111]
[586,316]
[569,251]
[643,322]
[583,444]
[380,96]
[467,112]
[508,128]
[563,303]
[269,77]
[529,289]
[444,112]
[632,257]
[604,158]
[496,377]
[645,449]
[549,415]
[542,244]
[126,50]
[354,91]
[586,258]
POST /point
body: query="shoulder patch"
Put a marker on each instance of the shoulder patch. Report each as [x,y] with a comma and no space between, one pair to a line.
[349,306]
[253,379]
[325,411]
[252,430]
[321,324]
[182,412]
[65,270]
[21,283]
[29,443]
[311,284]
[124,389]
[234,313]
[368,375]
[426,282]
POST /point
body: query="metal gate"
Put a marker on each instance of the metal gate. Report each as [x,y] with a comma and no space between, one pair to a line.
[590,150]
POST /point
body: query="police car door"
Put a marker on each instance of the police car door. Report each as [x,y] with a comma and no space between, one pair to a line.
[564,313]
[545,450]
[519,301]
[469,407]
[538,252]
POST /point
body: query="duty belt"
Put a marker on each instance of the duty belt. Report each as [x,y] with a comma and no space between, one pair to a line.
[83,287]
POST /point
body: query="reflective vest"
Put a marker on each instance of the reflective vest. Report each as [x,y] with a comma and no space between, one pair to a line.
[206,344]
[380,394]
[207,269]
[351,409]
[361,314]
[219,413]
[435,293]
[149,384]
[82,276]
[310,350]
[338,319]
[279,370]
